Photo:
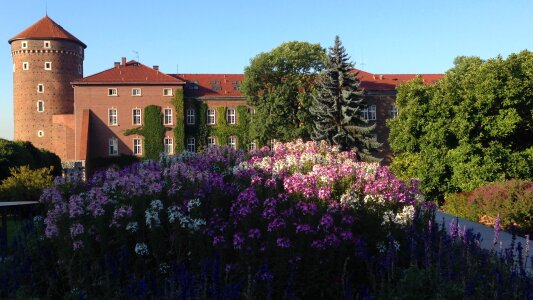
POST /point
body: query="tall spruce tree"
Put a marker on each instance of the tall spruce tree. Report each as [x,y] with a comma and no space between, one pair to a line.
[337,105]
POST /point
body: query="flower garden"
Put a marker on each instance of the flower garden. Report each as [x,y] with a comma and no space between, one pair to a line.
[303,221]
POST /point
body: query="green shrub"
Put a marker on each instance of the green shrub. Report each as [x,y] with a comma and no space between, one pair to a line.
[25,184]
[18,153]
[511,200]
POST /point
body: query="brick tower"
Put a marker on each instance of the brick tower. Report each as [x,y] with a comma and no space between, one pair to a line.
[46,59]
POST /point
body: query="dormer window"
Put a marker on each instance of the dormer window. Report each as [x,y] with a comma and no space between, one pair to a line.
[112,92]
[47,44]
[24,45]
[136,92]
[167,92]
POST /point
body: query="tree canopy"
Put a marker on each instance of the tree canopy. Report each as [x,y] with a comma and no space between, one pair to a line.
[337,104]
[472,127]
[279,84]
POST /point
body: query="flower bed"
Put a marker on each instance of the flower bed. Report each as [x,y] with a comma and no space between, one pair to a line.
[304,220]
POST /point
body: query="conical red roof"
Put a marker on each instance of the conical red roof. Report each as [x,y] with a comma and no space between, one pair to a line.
[46,28]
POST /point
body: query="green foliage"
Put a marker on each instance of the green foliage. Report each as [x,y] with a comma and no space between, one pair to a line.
[337,104]
[19,153]
[279,84]
[26,184]
[511,200]
[202,129]
[153,132]
[472,127]
[222,130]
[179,127]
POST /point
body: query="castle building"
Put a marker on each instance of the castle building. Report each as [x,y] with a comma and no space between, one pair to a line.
[83,118]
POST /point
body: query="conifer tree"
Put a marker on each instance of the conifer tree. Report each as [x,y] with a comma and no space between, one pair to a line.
[337,105]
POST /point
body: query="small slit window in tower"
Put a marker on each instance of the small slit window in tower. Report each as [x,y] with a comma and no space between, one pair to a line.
[136,92]
[47,44]
[112,92]
[25,66]
[40,105]
[40,133]
[80,69]
[24,45]
[40,88]
[48,66]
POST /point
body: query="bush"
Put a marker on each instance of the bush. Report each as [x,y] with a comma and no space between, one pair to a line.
[25,184]
[18,153]
[511,200]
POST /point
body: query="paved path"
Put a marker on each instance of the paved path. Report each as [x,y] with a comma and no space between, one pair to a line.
[487,234]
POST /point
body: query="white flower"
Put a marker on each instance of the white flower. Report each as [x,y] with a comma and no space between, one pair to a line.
[164,268]
[378,199]
[350,198]
[152,219]
[156,205]
[141,249]
[388,217]
[405,216]
[132,226]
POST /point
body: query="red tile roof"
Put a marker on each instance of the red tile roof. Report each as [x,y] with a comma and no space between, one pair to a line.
[226,87]
[46,28]
[131,72]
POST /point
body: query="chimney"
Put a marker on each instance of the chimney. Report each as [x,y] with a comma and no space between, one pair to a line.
[123,61]
[380,77]
[156,68]
[117,64]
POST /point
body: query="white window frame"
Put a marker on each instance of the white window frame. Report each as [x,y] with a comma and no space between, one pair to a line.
[191,116]
[232,141]
[112,146]
[252,146]
[167,116]
[211,141]
[137,146]
[112,92]
[211,118]
[372,116]
[40,88]
[112,120]
[24,44]
[191,144]
[25,66]
[169,145]
[47,44]
[134,92]
[167,92]
[393,111]
[231,118]
[40,105]
[40,133]
[49,67]
[136,119]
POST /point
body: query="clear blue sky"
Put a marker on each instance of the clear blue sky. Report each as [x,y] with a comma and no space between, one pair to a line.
[402,36]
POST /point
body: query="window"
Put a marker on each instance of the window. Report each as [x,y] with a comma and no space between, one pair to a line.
[112,117]
[167,116]
[137,147]
[80,70]
[191,144]
[252,146]
[232,142]
[112,92]
[211,120]
[80,50]
[136,116]
[167,92]
[47,44]
[236,87]
[136,92]
[169,145]
[25,66]
[235,82]
[216,87]
[40,88]
[369,113]
[215,81]
[191,116]
[394,111]
[40,133]
[211,141]
[113,146]
[192,85]
[48,66]
[24,45]
[230,116]
[40,105]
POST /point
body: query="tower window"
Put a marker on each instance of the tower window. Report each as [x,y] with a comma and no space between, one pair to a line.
[112,92]
[137,147]
[169,145]
[112,117]
[113,146]
[80,69]
[40,105]
[167,92]
[167,116]
[40,133]
[48,66]
[40,88]
[25,66]
[136,116]
[47,44]
[191,116]
[136,92]
[24,45]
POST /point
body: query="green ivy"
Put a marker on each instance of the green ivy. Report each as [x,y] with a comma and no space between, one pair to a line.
[153,132]
[179,129]
[222,130]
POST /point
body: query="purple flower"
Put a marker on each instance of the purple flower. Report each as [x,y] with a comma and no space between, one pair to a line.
[238,240]
[218,240]
[283,242]
[276,224]
[75,206]
[304,228]
[76,245]
[326,221]
[254,233]
[76,229]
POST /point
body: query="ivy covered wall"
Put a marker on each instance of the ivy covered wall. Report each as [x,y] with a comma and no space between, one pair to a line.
[179,128]
[153,132]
